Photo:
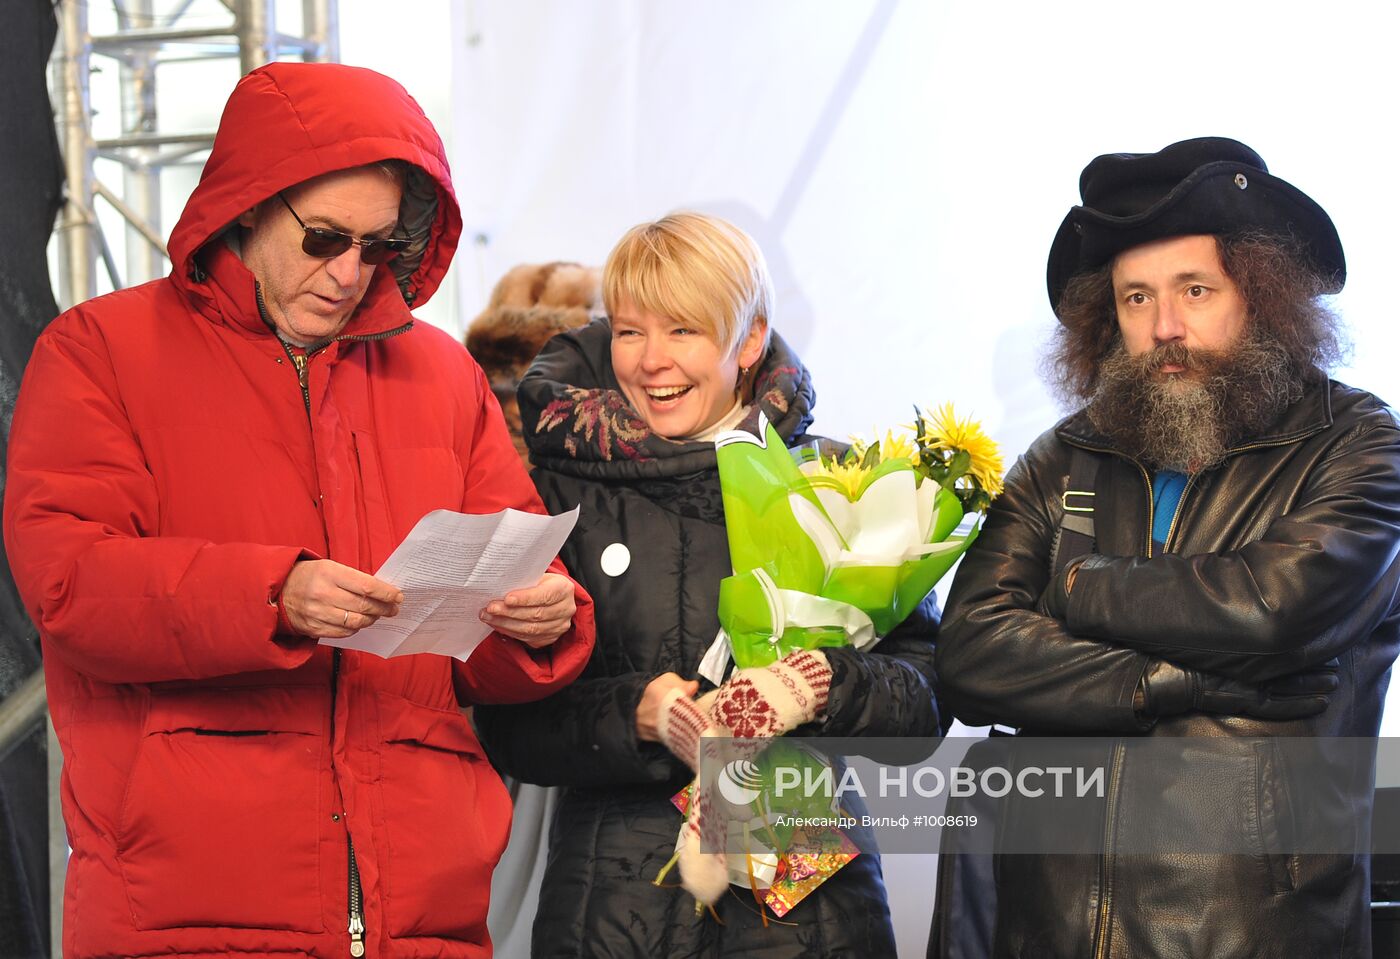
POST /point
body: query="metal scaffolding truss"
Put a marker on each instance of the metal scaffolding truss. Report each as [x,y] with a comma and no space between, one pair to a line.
[150,34]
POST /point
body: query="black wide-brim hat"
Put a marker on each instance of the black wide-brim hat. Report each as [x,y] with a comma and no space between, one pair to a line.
[1210,185]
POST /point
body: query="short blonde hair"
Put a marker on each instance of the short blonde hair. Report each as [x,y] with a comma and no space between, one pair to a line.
[695,268]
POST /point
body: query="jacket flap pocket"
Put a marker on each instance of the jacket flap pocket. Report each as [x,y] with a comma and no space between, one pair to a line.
[198,804]
[240,709]
[402,721]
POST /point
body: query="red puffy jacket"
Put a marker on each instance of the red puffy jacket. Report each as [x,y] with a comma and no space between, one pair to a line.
[166,470]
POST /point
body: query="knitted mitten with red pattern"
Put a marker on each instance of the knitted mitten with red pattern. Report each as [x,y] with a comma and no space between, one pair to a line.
[705,875]
[684,722]
[768,701]
[756,703]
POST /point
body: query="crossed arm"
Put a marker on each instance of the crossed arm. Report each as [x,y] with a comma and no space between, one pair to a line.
[1312,585]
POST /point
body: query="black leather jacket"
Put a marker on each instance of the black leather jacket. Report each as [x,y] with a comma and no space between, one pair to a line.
[1283,557]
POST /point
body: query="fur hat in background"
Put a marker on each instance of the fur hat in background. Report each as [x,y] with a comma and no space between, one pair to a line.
[530,304]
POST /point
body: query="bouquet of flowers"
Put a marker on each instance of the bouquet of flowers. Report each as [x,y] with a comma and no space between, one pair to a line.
[832,550]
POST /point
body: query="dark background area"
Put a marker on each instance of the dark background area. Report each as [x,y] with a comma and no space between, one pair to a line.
[31,173]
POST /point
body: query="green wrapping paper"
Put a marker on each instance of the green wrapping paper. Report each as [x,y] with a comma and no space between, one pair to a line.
[814,568]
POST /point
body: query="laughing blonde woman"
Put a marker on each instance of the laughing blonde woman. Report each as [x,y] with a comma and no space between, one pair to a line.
[620,417]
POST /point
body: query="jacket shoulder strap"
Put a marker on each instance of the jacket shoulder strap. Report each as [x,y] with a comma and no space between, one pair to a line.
[1075,537]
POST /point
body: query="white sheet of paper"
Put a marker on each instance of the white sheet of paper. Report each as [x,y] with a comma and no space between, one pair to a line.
[449,567]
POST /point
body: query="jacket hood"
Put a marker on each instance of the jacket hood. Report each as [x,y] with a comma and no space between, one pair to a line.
[577,420]
[288,122]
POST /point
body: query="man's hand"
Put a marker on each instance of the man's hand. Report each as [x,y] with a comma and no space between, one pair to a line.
[326,600]
[1054,602]
[1168,690]
[537,615]
[649,708]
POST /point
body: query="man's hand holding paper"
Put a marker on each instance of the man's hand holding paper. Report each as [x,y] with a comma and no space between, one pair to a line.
[326,599]
[537,615]
[462,575]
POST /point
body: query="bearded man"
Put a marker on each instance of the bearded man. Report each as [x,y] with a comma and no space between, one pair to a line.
[1209,547]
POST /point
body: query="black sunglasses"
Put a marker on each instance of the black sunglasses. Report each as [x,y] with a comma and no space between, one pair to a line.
[325,244]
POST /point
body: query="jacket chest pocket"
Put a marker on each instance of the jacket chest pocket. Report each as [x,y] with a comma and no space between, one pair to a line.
[219,822]
[395,489]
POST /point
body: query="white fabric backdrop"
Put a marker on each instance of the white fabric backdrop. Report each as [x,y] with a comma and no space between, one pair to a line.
[903,164]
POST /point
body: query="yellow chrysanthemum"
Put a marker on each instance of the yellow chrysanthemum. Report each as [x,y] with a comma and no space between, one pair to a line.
[892,447]
[848,476]
[943,428]
[897,447]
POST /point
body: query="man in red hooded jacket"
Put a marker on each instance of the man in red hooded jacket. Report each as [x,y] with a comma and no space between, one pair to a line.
[202,469]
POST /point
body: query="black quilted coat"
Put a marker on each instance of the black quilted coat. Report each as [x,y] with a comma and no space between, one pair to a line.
[615,827]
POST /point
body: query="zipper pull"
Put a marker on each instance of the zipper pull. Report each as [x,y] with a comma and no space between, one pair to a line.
[300,361]
[357,935]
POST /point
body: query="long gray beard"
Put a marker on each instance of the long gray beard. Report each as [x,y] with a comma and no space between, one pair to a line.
[1188,421]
